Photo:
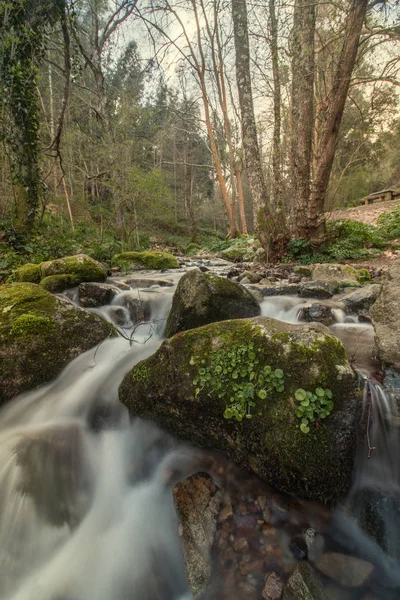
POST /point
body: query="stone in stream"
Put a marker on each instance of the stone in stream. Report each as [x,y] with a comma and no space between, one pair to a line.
[347,571]
[304,584]
[146,282]
[198,500]
[39,334]
[201,385]
[139,309]
[361,300]
[273,587]
[202,298]
[385,316]
[96,294]
[318,289]
[317,313]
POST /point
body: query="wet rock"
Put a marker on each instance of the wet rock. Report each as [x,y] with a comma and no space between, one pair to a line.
[290,289]
[361,299]
[363,318]
[146,282]
[317,313]
[345,570]
[39,334]
[265,282]
[191,387]
[139,309]
[96,294]
[318,289]
[256,293]
[334,272]
[315,544]
[273,587]
[304,584]
[118,315]
[294,278]
[385,316]
[202,298]
[251,276]
[198,500]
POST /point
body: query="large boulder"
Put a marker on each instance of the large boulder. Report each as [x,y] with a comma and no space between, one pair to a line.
[39,334]
[92,294]
[130,261]
[361,300]
[81,266]
[202,298]
[277,398]
[62,273]
[385,315]
[334,272]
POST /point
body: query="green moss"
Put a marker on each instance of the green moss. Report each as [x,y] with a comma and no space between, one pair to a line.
[363,275]
[39,334]
[145,260]
[28,324]
[192,249]
[29,272]
[81,266]
[301,270]
[59,283]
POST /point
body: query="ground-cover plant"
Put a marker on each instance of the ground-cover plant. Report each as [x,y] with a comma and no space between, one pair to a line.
[311,406]
[236,376]
[389,224]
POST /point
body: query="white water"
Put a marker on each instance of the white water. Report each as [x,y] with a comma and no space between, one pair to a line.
[86,496]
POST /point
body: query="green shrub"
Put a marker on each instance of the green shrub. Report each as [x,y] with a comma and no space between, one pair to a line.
[389,224]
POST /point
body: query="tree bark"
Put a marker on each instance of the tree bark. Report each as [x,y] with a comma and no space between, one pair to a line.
[302,113]
[249,131]
[330,118]
[276,149]
[242,213]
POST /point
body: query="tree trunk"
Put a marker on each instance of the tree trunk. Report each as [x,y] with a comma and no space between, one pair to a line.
[276,150]
[242,213]
[302,113]
[249,130]
[330,119]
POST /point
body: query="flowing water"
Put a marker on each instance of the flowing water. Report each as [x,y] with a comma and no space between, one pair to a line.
[86,501]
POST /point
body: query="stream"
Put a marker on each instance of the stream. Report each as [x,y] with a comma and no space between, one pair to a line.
[86,504]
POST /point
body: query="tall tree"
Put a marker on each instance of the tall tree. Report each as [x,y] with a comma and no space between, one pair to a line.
[249,130]
[302,112]
[23,25]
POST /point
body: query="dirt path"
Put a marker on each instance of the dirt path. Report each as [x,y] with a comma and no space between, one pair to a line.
[366,214]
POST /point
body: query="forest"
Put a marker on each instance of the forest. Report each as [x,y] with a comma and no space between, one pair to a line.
[129,125]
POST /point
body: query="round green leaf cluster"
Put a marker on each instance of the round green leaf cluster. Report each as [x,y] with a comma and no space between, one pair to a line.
[312,406]
[236,375]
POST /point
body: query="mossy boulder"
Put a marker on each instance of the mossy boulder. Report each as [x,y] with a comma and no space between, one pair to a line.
[59,283]
[29,272]
[302,270]
[81,266]
[39,334]
[202,298]
[194,383]
[128,261]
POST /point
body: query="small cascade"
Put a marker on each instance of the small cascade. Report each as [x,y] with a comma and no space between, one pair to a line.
[374,499]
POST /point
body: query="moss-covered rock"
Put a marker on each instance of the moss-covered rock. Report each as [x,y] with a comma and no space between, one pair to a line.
[363,275]
[59,283]
[81,266]
[29,272]
[302,270]
[128,261]
[39,334]
[190,382]
[202,298]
